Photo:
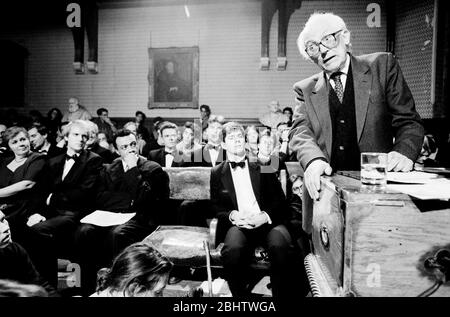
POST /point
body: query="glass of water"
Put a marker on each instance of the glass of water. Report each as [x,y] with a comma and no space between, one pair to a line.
[374,170]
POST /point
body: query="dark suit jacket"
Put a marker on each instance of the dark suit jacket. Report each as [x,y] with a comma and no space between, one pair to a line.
[142,189]
[267,189]
[76,192]
[159,157]
[105,154]
[53,151]
[384,109]
[201,157]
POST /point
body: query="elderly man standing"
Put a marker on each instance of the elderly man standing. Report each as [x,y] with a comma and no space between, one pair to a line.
[356,104]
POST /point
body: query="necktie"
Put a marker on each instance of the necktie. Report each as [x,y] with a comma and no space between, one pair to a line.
[336,77]
[73,157]
[240,164]
[213,147]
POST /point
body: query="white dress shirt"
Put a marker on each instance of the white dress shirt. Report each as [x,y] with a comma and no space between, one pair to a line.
[245,196]
[68,166]
[213,154]
[169,160]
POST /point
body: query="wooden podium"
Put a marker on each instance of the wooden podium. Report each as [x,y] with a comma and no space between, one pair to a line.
[374,243]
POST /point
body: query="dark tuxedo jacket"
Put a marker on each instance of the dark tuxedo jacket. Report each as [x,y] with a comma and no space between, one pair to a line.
[142,189]
[267,189]
[53,151]
[201,157]
[77,191]
[105,154]
[159,157]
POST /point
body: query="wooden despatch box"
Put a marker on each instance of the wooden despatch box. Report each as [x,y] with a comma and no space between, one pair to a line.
[374,244]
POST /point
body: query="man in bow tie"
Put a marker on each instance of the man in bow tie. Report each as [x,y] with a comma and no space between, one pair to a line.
[212,153]
[71,184]
[168,156]
[251,209]
[356,104]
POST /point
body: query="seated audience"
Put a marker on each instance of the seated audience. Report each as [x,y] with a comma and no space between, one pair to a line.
[282,140]
[130,184]
[169,156]
[212,152]
[251,142]
[205,113]
[104,123]
[289,114]
[16,265]
[251,210]
[268,158]
[190,139]
[141,143]
[104,143]
[22,192]
[39,141]
[72,182]
[139,271]
[4,149]
[93,145]
[75,111]
[54,119]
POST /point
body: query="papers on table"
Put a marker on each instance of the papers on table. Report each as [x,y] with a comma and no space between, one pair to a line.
[106,218]
[438,188]
[414,177]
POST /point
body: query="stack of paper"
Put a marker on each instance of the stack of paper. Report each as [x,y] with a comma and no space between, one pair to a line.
[438,188]
[107,218]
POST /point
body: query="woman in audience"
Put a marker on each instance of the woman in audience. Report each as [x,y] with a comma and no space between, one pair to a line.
[21,178]
[189,141]
[251,142]
[139,271]
[54,117]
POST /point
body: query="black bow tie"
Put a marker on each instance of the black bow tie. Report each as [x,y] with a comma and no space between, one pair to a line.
[73,157]
[241,164]
[168,153]
[213,147]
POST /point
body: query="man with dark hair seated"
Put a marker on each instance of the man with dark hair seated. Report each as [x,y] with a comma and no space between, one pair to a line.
[15,264]
[130,184]
[169,156]
[251,209]
[72,182]
[105,124]
[39,141]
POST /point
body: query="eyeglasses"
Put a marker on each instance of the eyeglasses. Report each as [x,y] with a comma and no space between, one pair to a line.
[329,41]
[126,146]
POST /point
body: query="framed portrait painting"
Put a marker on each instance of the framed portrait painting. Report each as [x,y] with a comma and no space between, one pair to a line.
[173,77]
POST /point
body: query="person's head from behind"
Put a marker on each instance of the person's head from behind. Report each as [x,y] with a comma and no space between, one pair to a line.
[73,104]
[325,40]
[266,143]
[205,111]
[140,117]
[138,271]
[125,143]
[5,231]
[18,141]
[233,135]
[214,130]
[38,136]
[169,134]
[131,126]
[76,134]
[10,288]
[102,113]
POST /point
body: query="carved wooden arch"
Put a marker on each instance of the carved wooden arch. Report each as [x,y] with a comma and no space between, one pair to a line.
[285,9]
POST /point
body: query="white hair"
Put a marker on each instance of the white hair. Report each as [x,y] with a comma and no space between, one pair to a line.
[317,18]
